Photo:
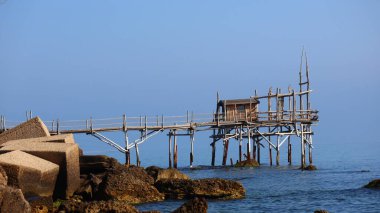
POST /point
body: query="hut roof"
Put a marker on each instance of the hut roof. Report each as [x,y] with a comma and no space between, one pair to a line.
[240,101]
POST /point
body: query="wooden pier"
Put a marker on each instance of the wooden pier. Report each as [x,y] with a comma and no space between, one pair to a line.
[271,119]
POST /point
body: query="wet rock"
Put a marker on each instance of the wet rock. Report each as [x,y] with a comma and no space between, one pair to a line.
[41,204]
[12,200]
[132,185]
[158,173]
[97,206]
[151,211]
[40,209]
[375,184]
[96,164]
[89,186]
[198,205]
[214,188]
[310,168]
[247,163]
[321,211]
[3,177]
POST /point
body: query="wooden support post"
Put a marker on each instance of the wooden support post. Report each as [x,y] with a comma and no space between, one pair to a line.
[225,151]
[213,149]
[231,162]
[310,146]
[254,148]
[127,154]
[294,107]
[170,149]
[137,155]
[258,151]
[289,151]
[175,149]
[310,155]
[300,84]
[58,126]
[191,148]
[302,148]
[249,144]
[269,104]
[278,151]
[240,143]
[270,155]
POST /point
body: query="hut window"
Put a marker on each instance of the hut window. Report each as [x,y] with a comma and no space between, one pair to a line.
[240,108]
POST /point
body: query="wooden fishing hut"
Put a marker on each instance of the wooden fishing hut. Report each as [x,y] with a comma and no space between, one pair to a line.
[239,109]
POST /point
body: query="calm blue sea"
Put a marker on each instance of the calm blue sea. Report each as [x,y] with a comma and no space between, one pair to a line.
[336,187]
[286,189]
[344,166]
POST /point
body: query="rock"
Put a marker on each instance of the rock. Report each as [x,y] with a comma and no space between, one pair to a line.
[158,173]
[310,168]
[321,211]
[214,188]
[247,163]
[96,164]
[151,211]
[66,155]
[12,200]
[132,185]
[3,177]
[109,206]
[89,186]
[97,206]
[375,184]
[41,204]
[198,205]
[33,175]
[33,128]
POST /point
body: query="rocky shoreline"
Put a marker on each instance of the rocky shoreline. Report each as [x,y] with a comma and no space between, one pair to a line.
[119,187]
[44,173]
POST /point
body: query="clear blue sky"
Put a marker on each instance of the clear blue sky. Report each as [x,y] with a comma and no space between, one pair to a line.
[75,59]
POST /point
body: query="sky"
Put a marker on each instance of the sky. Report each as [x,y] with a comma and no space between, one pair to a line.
[76,59]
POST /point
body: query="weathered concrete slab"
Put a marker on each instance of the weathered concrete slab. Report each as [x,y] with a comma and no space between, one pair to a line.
[33,128]
[62,138]
[33,175]
[66,155]
[3,177]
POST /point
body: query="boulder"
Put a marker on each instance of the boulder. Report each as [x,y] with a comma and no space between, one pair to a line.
[310,168]
[89,186]
[32,128]
[62,138]
[12,200]
[321,211]
[158,173]
[247,163]
[41,204]
[198,205]
[33,175]
[66,155]
[3,177]
[214,188]
[97,206]
[96,164]
[375,184]
[131,185]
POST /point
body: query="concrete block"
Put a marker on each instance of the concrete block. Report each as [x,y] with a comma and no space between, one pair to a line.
[33,175]
[66,155]
[33,128]
[62,138]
